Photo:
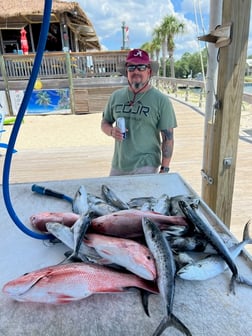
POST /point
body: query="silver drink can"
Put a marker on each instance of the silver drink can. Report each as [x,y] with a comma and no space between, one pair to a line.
[120,123]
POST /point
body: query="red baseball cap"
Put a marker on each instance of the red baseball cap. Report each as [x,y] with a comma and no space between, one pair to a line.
[138,56]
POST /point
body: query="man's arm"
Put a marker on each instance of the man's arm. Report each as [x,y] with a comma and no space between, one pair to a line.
[167,147]
[108,129]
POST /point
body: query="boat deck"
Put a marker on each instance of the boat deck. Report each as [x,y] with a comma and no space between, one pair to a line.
[63,147]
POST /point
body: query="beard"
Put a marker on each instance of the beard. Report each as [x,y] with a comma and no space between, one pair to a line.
[137,83]
[137,86]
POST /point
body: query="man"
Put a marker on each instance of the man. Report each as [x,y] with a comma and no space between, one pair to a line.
[148,113]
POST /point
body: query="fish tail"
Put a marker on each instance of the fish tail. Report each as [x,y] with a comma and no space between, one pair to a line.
[246,236]
[180,326]
[145,301]
[232,284]
[244,281]
[239,279]
[171,320]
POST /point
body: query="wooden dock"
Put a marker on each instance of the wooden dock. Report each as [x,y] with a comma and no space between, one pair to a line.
[62,147]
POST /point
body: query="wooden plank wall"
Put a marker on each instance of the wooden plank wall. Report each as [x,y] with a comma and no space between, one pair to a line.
[92,99]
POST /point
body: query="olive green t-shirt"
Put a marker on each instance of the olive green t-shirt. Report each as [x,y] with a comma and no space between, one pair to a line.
[151,112]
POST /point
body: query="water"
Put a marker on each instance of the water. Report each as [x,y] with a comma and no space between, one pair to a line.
[247,88]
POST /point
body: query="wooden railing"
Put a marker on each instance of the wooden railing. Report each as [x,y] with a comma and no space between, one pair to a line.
[186,88]
[55,65]
[89,69]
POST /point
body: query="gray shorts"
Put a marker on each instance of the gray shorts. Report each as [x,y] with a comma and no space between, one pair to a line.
[141,170]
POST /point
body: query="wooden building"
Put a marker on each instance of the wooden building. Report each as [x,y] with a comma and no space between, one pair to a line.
[70,28]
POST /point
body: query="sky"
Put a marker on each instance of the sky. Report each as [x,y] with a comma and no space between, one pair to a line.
[143,16]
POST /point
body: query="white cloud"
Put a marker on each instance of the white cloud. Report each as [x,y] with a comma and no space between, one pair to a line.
[142,16]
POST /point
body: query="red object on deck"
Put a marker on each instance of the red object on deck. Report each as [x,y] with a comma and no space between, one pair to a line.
[24,42]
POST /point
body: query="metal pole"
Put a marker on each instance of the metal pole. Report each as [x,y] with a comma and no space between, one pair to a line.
[70,81]
[123,35]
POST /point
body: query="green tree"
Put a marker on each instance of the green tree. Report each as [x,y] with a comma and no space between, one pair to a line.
[147,47]
[190,64]
[156,47]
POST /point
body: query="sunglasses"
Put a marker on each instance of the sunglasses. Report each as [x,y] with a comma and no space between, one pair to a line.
[139,67]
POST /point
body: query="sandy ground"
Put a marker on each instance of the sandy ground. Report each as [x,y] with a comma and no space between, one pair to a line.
[59,131]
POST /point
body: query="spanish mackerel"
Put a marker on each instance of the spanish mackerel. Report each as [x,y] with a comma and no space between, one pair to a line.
[99,207]
[213,265]
[80,201]
[166,269]
[111,197]
[215,240]
[162,205]
[175,209]
[79,230]
[65,235]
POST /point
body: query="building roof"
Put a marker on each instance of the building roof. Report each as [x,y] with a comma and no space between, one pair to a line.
[249,62]
[15,14]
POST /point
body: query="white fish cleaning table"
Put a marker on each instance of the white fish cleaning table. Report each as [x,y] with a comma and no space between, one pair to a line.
[206,307]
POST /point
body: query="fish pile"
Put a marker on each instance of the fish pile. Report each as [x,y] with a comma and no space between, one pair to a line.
[115,245]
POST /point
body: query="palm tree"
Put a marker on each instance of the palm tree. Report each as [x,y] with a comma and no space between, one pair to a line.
[147,47]
[153,48]
[160,36]
[169,27]
[156,46]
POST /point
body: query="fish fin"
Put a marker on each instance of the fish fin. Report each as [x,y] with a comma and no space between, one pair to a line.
[239,279]
[65,260]
[165,323]
[145,299]
[114,290]
[171,320]
[105,261]
[232,284]
[246,236]
[106,252]
[180,326]
[244,281]
[72,257]
[64,299]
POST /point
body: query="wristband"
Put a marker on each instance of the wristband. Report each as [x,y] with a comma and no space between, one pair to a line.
[164,169]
